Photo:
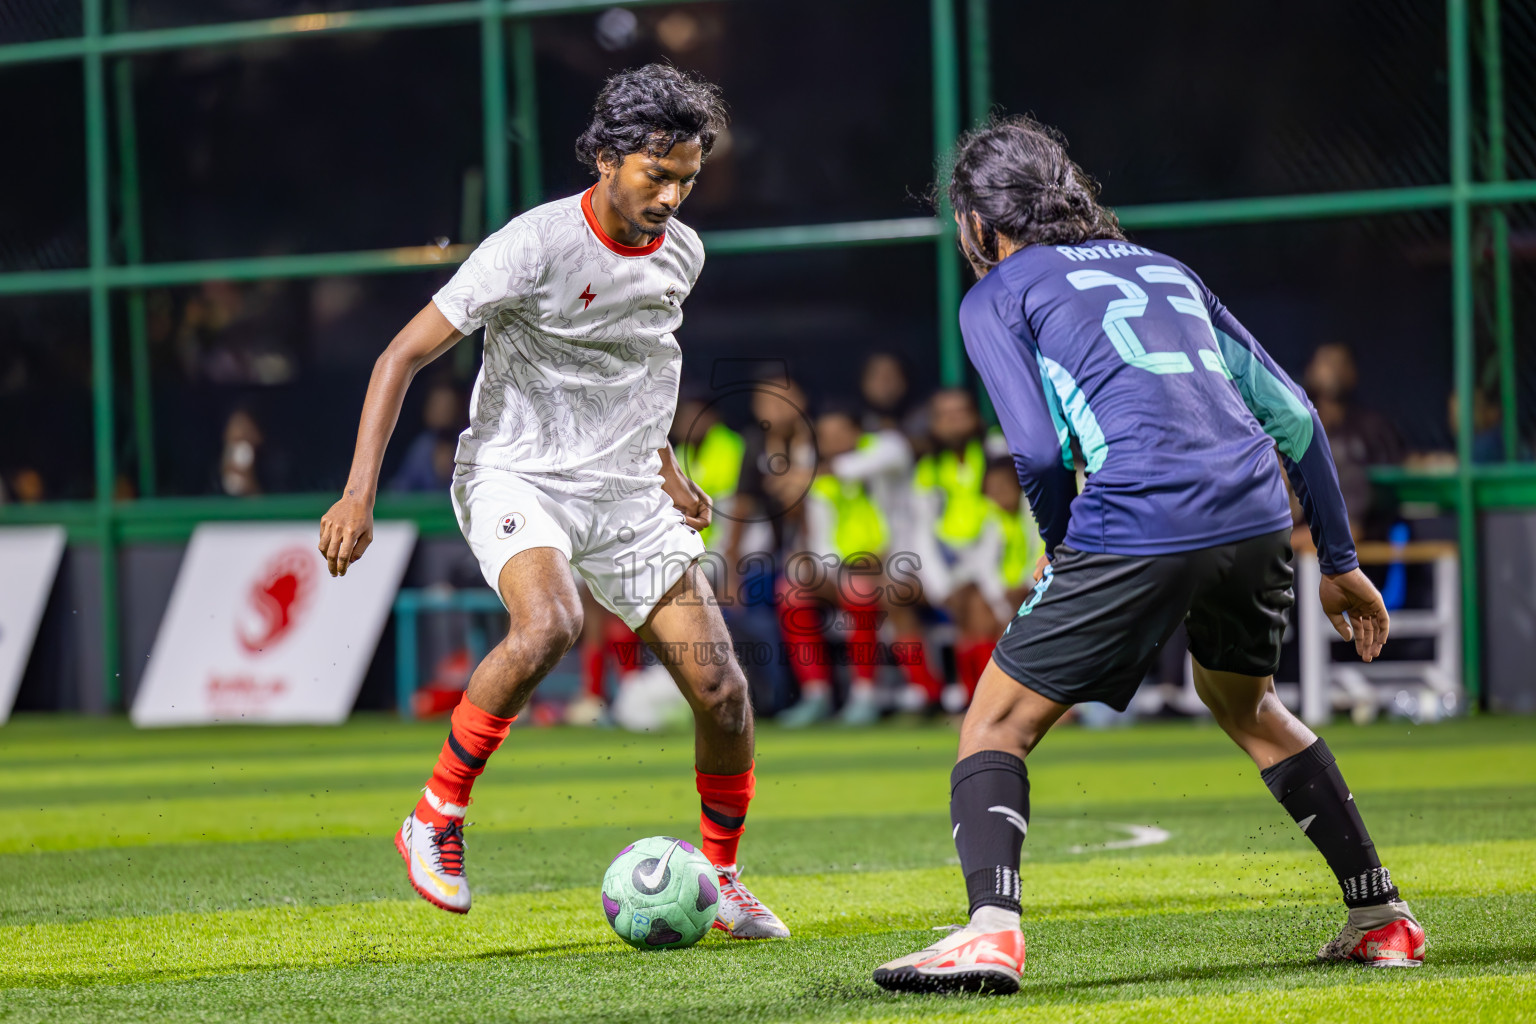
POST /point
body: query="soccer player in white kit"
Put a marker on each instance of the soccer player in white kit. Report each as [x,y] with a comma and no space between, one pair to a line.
[566,464]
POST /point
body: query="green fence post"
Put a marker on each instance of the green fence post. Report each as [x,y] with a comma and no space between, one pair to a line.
[1503,288]
[493,97]
[530,175]
[1464,339]
[133,250]
[978,45]
[101,344]
[978,39]
[946,125]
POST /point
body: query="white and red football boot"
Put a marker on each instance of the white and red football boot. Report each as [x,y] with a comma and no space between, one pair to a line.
[1386,935]
[742,915]
[967,960]
[434,860]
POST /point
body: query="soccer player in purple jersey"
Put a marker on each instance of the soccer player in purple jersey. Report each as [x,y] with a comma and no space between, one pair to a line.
[1107,355]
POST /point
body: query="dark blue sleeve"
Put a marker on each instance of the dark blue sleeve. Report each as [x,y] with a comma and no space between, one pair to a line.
[1284,411]
[1001,349]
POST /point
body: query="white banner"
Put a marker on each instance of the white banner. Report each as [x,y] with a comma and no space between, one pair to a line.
[258,631]
[29,559]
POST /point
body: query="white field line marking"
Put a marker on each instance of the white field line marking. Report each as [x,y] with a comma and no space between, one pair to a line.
[1141,835]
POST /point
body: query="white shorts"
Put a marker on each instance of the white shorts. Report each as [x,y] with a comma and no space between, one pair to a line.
[631,551]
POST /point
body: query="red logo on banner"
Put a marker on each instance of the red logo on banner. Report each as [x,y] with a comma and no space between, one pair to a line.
[276,599]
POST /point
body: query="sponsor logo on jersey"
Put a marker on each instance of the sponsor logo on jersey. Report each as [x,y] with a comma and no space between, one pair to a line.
[586,296]
[510,524]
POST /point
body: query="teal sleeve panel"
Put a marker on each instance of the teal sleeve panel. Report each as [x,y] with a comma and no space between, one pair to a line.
[1072,404]
[1283,410]
[1284,416]
[1028,406]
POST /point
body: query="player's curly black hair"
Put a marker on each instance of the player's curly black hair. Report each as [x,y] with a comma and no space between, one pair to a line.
[652,109]
[1015,176]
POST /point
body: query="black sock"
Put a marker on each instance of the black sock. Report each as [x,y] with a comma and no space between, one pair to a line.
[1311,788]
[989,808]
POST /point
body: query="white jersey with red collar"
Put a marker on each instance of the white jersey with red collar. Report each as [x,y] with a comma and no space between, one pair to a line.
[579,380]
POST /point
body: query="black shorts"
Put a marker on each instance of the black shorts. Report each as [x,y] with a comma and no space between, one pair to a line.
[1091,629]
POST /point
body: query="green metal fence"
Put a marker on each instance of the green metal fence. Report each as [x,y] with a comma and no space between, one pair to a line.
[506,23]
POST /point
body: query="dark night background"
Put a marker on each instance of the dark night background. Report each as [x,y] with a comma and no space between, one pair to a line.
[373,140]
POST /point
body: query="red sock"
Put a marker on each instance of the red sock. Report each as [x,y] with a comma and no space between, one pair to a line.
[971,659]
[621,644]
[473,736]
[800,624]
[915,666]
[863,640]
[593,661]
[965,668]
[723,801]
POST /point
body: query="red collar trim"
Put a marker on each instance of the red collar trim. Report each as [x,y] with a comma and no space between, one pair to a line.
[602,236]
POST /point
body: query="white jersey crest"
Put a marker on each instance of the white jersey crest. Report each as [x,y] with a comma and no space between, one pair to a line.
[579,380]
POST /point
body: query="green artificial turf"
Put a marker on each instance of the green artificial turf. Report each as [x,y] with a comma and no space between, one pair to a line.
[248,874]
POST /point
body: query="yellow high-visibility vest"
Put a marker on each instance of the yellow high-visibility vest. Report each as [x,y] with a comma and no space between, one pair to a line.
[858,524]
[1022,546]
[959,484]
[715,465]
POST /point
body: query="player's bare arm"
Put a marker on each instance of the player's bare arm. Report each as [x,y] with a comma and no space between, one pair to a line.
[687,497]
[346,529]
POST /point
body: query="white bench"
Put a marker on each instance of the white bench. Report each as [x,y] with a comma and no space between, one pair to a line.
[1327,685]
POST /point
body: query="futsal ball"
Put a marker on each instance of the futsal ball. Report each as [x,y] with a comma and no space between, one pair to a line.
[660,893]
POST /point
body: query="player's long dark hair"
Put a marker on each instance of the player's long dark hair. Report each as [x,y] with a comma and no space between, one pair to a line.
[1015,176]
[651,109]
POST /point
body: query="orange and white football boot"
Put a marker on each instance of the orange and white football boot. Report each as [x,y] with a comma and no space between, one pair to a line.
[968,960]
[742,915]
[434,859]
[1386,935]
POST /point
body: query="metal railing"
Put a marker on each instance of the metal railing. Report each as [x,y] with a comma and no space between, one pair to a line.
[504,22]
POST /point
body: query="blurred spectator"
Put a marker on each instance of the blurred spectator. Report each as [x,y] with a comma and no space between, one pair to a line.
[1359,437]
[27,487]
[1022,547]
[882,462]
[885,387]
[233,334]
[710,453]
[1487,426]
[778,463]
[961,545]
[238,476]
[847,538]
[741,472]
[883,458]
[428,462]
